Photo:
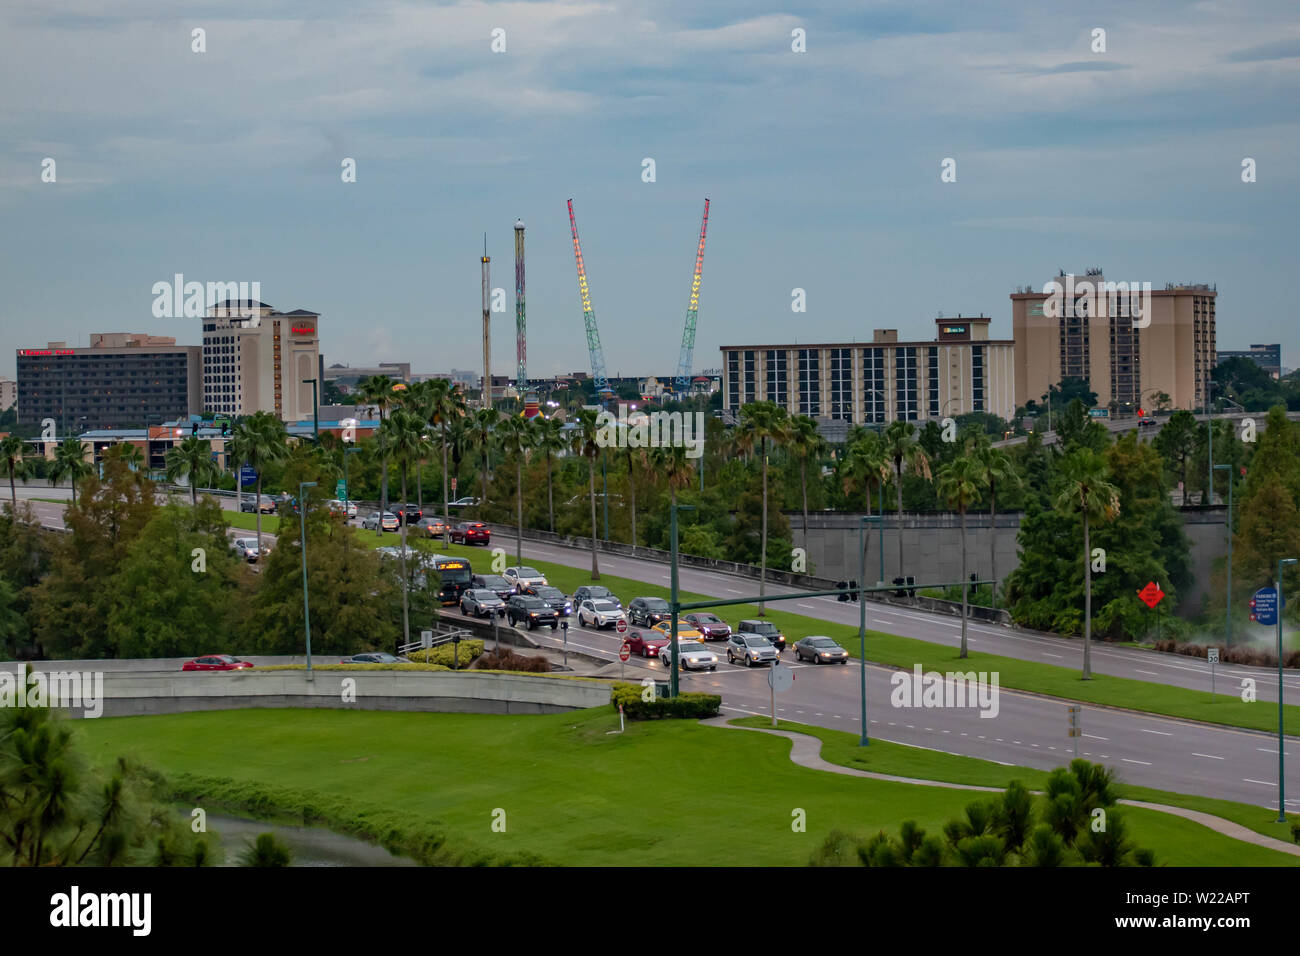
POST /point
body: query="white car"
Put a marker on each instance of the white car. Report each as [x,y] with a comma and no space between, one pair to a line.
[246,548]
[691,656]
[524,577]
[336,506]
[597,613]
[463,503]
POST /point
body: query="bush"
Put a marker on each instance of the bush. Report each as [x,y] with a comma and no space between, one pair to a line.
[506,660]
[1248,654]
[684,706]
[443,654]
[344,667]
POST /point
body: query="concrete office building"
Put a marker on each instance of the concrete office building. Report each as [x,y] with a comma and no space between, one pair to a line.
[960,371]
[8,394]
[1267,357]
[1173,352]
[256,359]
[121,380]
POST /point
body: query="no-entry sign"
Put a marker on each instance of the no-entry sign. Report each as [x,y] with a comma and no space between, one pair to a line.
[621,626]
[1151,595]
[625,651]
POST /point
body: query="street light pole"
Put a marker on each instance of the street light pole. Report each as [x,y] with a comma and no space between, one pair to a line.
[302,519]
[604,473]
[1228,469]
[673,610]
[863,740]
[1281,737]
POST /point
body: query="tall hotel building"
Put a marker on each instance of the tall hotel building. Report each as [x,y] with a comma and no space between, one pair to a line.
[960,371]
[256,359]
[1125,365]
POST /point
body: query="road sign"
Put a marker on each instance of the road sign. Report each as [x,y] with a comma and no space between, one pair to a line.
[341,490]
[1075,730]
[453,483]
[1099,412]
[780,677]
[625,651]
[1151,595]
[1263,606]
[621,626]
[247,476]
[1213,653]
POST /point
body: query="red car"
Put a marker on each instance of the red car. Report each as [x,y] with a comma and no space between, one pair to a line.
[711,626]
[647,643]
[471,532]
[216,662]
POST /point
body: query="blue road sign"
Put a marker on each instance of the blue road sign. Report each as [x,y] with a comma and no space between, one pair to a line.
[247,476]
[1263,606]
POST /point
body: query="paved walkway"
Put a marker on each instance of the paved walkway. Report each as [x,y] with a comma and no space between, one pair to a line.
[806,750]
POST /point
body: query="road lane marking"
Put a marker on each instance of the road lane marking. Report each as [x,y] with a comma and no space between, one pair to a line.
[1142,762]
[1162,733]
[1095,737]
[1267,783]
[1210,756]
[1059,657]
[1152,673]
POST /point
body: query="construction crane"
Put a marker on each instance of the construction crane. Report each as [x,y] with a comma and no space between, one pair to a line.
[521,324]
[687,354]
[588,313]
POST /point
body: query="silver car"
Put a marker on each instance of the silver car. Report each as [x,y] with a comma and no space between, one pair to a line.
[820,650]
[750,649]
[691,656]
[524,577]
[600,614]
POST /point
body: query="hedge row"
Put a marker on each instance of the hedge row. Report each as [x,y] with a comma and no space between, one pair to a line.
[687,706]
[347,667]
[444,653]
[508,660]
[1250,655]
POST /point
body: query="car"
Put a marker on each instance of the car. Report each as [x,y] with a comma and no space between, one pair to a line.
[346,508]
[750,649]
[216,662]
[691,656]
[820,650]
[247,549]
[1146,421]
[374,520]
[647,611]
[646,643]
[684,631]
[531,611]
[495,583]
[763,629]
[480,602]
[599,613]
[523,577]
[595,592]
[409,514]
[552,596]
[467,502]
[431,525]
[711,626]
[375,657]
[251,504]
[471,532]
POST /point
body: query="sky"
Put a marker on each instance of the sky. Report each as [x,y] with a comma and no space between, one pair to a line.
[822,167]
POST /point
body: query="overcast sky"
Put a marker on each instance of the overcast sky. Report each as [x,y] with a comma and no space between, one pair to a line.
[823,167]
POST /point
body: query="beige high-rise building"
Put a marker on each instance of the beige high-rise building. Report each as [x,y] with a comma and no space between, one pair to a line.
[255,359]
[1129,346]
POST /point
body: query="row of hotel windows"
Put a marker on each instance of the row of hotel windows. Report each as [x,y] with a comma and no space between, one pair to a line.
[742,370]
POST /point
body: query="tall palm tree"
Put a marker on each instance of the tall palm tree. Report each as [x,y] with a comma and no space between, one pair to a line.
[403,434]
[446,406]
[192,460]
[516,436]
[11,457]
[865,468]
[69,462]
[995,470]
[1087,491]
[806,442]
[479,431]
[551,440]
[676,468]
[585,444]
[377,391]
[258,441]
[418,399]
[760,423]
[902,448]
[959,486]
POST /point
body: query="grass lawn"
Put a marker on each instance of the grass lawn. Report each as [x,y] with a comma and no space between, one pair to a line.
[248,522]
[663,793]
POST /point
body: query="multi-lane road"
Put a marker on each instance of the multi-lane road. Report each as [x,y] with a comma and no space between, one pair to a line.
[1029,730]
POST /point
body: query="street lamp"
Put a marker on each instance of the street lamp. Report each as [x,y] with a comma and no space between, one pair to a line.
[315,421]
[672,637]
[1228,469]
[1281,739]
[862,613]
[302,524]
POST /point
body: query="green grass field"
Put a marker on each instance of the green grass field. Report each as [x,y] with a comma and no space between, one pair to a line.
[662,793]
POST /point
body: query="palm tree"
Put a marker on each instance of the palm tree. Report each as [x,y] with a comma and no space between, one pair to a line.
[11,455]
[995,469]
[377,390]
[550,439]
[130,454]
[585,444]
[806,442]
[192,460]
[516,436]
[1087,491]
[761,422]
[865,468]
[479,431]
[446,405]
[69,462]
[676,468]
[418,399]
[902,448]
[959,486]
[258,441]
[636,459]
[403,435]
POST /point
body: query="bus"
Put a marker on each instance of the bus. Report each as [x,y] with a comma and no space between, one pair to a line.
[453,577]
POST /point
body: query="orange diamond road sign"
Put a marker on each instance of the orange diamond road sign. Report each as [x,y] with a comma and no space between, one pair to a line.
[1151,595]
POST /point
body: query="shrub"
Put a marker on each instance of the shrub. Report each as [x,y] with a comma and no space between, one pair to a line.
[443,653]
[684,706]
[507,660]
[342,667]
[1250,655]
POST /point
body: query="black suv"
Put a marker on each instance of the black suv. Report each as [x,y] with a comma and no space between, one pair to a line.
[531,611]
[553,596]
[408,514]
[493,582]
[763,629]
[594,592]
[647,611]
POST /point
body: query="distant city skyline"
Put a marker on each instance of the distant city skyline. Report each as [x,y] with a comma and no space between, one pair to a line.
[823,167]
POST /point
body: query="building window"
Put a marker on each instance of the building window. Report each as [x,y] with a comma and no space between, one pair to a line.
[977,378]
[776,383]
[809,383]
[842,385]
[934,382]
[873,386]
[905,384]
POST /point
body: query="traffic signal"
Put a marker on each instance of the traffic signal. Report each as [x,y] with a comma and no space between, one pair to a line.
[194,428]
[225,429]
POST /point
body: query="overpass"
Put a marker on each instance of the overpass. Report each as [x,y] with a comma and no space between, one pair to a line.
[1117,425]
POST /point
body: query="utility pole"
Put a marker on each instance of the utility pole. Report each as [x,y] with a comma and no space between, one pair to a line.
[487,328]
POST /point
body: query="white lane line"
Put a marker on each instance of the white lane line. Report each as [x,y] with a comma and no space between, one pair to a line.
[1267,783]
[1059,657]
[1210,756]
[1017,742]
[1152,673]
[1095,737]
[1162,733]
[1267,750]
[734,591]
[809,606]
[1142,762]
